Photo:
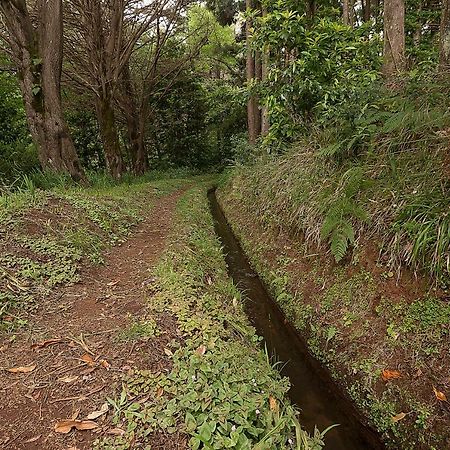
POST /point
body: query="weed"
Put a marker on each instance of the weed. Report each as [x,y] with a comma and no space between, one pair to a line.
[143,329]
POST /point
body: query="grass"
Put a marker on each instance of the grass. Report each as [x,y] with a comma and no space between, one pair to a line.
[400,198]
[221,390]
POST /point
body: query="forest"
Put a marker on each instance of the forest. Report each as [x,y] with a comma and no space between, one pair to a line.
[225,224]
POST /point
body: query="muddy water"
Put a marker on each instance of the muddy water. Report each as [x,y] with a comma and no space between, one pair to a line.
[313,391]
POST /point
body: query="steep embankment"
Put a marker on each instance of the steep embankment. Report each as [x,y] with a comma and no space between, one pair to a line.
[383,331]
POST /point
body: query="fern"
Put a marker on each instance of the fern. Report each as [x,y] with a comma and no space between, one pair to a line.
[337,225]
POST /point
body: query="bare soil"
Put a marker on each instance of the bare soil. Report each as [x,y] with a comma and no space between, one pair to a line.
[73,342]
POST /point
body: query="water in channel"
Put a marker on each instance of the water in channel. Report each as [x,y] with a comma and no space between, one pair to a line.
[313,391]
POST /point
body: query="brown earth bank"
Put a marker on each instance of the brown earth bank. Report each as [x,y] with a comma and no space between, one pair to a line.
[384,337]
[74,351]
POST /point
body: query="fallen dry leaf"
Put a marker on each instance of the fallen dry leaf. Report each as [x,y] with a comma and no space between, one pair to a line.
[22,369]
[273,404]
[390,374]
[116,431]
[46,343]
[105,364]
[440,395]
[33,439]
[201,350]
[88,359]
[168,352]
[68,379]
[398,417]
[65,426]
[159,392]
[96,414]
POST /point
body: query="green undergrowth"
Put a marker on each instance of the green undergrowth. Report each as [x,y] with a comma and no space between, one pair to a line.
[221,390]
[401,198]
[357,324]
[47,235]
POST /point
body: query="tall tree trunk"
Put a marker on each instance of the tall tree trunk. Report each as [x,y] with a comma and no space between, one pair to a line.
[394,61]
[444,41]
[258,78]
[348,14]
[37,52]
[265,125]
[110,137]
[310,9]
[366,10]
[134,128]
[376,10]
[253,122]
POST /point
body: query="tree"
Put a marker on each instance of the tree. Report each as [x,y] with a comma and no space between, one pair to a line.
[348,12]
[36,48]
[366,6]
[102,37]
[265,124]
[252,66]
[444,41]
[394,61]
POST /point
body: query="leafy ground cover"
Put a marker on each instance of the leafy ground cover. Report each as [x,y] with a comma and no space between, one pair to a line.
[141,344]
[382,331]
[47,236]
[220,389]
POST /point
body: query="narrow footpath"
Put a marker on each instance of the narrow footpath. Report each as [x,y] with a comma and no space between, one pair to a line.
[72,354]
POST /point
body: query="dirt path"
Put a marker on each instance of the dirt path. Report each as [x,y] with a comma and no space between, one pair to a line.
[85,359]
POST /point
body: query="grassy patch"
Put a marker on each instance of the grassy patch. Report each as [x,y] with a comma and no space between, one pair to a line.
[221,390]
[402,199]
[48,235]
[139,330]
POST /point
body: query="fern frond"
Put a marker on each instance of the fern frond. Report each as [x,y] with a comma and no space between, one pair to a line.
[339,245]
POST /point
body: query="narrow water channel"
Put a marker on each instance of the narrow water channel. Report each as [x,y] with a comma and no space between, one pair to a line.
[313,390]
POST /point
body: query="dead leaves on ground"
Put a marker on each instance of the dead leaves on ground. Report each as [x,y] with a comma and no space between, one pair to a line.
[96,414]
[388,375]
[46,343]
[66,426]
[22,369]
[440,395]
[201,350]
[398,417]
[273,404]
[68,379]
[88,360]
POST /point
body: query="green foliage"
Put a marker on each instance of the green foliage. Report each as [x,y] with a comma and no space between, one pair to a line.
[340,210]
[85,133]
[144,329]
[17,154]
[314,69]
[400,197]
